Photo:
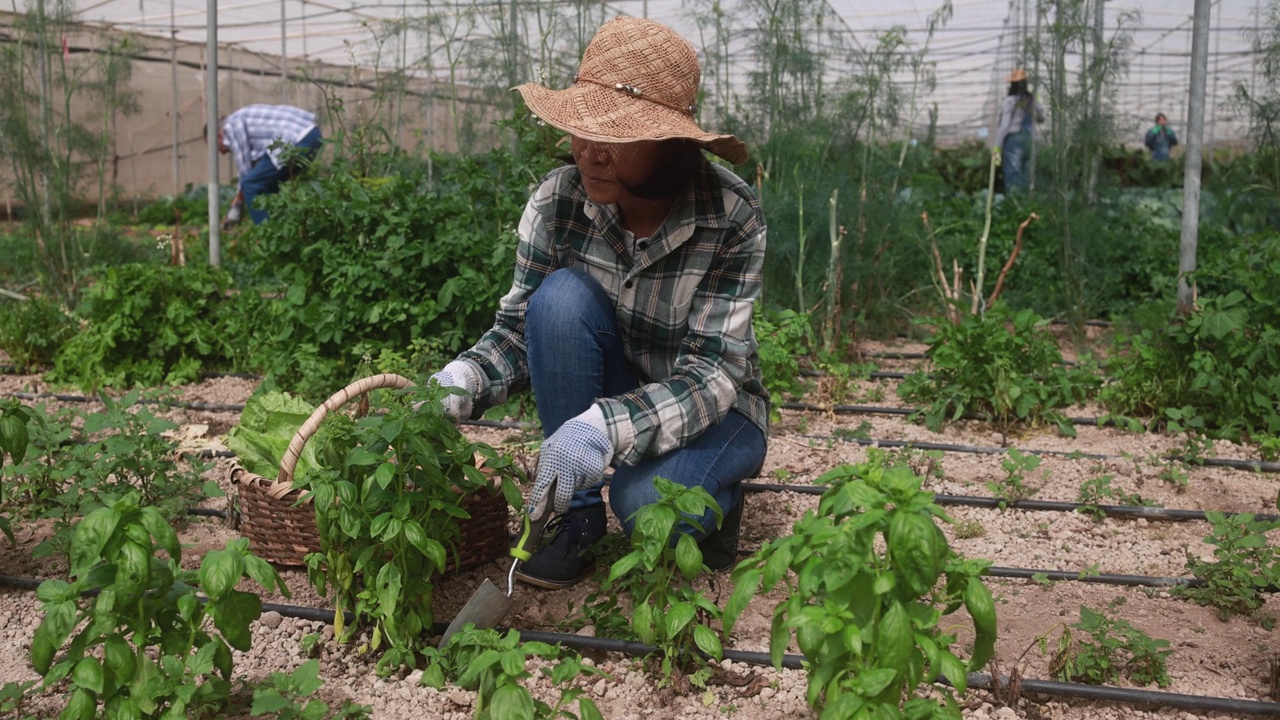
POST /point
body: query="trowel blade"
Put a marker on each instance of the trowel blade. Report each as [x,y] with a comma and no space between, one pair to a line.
[486,608]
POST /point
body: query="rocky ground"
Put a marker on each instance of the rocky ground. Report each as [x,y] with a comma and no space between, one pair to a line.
[1211,657]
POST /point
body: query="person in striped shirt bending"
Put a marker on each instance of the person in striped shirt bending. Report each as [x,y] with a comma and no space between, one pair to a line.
[258,138]
[637,273]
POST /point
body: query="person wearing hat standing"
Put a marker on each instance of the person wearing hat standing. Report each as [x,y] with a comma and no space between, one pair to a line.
[637,272]
[1160,139]
[1014,137]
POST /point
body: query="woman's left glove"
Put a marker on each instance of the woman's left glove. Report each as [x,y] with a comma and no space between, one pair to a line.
[573,458]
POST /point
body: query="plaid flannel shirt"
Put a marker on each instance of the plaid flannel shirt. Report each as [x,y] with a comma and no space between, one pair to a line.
[251,130]
[683,303]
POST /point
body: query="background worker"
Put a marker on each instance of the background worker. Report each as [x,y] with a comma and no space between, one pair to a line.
[1160,138]
[257,136]
[1013,139]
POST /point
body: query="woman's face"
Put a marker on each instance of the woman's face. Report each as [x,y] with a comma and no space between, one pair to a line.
[609,168]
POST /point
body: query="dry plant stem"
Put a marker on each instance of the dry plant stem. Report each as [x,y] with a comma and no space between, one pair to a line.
[1017,247]
[944,289]
[986,233]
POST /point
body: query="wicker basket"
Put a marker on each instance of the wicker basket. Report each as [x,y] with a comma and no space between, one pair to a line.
[282,530]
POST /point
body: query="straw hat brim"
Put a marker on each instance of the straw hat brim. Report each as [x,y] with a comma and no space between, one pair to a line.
[603,114]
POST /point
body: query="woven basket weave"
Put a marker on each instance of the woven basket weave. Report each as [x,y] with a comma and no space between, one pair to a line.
[282,530]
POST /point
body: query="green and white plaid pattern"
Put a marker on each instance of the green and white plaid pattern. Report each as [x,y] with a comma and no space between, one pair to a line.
[683,303]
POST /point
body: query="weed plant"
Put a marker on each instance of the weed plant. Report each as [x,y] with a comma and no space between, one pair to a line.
[1003,365]
[282,696]
[77,462]
[1111,649]
[494,665]
[1244,568]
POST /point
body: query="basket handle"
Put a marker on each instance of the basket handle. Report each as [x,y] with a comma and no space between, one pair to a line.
[284,481]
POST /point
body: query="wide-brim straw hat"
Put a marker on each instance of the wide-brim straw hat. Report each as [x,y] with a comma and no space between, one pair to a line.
[1017,75]
[638,81]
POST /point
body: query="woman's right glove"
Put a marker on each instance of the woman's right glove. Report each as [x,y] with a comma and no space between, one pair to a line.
[458,374]
[573,458]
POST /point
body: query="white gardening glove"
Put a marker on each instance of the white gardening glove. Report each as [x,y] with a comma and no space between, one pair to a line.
[234,214]
[573,458]
[460,375]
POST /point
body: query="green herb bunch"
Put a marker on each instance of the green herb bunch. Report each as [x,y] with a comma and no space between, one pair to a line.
[388,495]
[868,621]
[145,646]
[1004,365]
[667,611]
[493,665]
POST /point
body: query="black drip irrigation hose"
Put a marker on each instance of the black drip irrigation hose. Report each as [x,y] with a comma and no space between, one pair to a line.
[1126,511]
[793,661]
[879,410]
[1236,464]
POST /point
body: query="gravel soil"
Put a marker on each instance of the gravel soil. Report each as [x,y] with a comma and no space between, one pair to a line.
[1235,658]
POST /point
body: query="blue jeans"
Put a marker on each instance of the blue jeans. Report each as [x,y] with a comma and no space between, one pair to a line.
[264,177]
[575,356]
[1015,158]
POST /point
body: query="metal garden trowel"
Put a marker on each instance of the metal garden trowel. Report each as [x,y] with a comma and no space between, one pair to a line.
[489,605]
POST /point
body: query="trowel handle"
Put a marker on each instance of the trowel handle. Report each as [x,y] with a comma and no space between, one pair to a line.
[529,536]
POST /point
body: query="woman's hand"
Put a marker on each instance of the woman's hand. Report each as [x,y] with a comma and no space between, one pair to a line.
[458,374]
[573,458]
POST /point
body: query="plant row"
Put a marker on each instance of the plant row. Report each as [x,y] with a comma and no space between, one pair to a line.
[864,584]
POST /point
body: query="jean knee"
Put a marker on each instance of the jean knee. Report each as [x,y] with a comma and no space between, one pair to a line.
[564,298]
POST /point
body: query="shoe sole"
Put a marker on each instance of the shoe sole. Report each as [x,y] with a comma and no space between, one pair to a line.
[553,584]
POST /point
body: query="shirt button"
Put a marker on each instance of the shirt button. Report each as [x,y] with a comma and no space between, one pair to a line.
[642,244]
[628,284]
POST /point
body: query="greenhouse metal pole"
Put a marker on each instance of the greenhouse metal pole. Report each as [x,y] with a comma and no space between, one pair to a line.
[173,77]
[211,117]
[1191,175]
[284,57]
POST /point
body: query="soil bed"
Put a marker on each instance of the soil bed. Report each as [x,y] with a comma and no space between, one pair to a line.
[1231,659]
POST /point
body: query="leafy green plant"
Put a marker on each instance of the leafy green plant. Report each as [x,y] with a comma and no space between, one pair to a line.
[1013,486]
[1114,649]
[149,325]
[383,262]
[388,494]
[1217,370]
[143,646]
[1244,565]
[32,332]
[70,471]
[13,442]
[1100,491]
[868,619]
[667,611]
[282,696]
[1004,365]
[784,337]
[493,665]
[12,696]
